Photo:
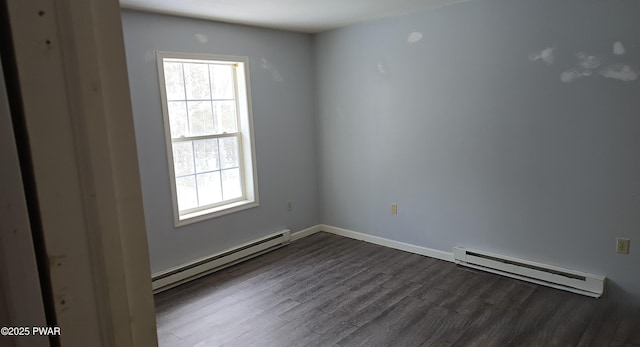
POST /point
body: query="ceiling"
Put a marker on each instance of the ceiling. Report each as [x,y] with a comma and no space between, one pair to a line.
[309,16]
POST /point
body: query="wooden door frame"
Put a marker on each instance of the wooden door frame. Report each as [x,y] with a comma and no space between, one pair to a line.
[21,302]
[73,96]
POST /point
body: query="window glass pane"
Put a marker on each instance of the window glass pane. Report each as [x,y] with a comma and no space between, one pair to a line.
[173,81]
[206,155]
[231,184]
[183,158]
[209,189]
[229,152]
[222,79]
[197,81]
[186,190]
[178,119]
[200,118]
[204,120]
[225,116]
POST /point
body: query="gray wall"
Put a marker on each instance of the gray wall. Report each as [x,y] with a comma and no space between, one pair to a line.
[282,89]
[472,131]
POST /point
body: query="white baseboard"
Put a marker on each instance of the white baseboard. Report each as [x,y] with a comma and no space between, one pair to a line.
[429,252]
[305,232]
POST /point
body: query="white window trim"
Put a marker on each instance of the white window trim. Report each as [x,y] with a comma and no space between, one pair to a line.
[248,169]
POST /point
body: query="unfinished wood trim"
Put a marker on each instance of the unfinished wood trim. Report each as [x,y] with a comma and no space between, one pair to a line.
[74,86]
[118,117]
[20,296]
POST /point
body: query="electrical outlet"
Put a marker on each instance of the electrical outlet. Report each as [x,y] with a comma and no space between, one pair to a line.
[622,245]
[394,208]
[289,206]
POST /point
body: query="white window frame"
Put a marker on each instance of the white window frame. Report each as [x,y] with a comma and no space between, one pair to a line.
[246,141]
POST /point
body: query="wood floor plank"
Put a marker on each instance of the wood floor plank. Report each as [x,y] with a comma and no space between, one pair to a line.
[327,290]
[532,326]
[436,273]
[187,314]
[566,324]
[451,326]
[167,339]
[466,297]
[302,275]
[333,335]
[602,326]
[490,326]
[323,300]
[218,319]
[415,271]
[323,281]
[386,298]
[628,331]
[507,291]
[251,328]
[383,329]
[292,334]
[352,293]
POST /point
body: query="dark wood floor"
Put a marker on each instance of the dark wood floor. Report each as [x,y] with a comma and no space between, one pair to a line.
[326,290]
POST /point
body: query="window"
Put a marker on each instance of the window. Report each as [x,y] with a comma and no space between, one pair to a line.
[208,129]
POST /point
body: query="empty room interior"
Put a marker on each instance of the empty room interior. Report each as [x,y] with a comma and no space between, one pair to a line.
[490,126]
[386,173]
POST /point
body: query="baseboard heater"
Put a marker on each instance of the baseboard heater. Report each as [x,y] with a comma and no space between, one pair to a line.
[201,267]
[551,276]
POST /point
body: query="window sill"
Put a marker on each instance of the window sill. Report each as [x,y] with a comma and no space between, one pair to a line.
[215,212]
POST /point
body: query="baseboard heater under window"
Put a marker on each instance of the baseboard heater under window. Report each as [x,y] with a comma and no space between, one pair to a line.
[552,276]
[201,267]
